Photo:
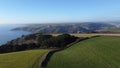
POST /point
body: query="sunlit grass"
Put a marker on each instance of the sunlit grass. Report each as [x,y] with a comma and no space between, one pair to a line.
[90,34]
[99,52]
[23,59]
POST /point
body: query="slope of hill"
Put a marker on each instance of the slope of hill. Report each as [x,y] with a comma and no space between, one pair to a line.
[109,30]
[98,52]
[66,28]
[24,59]
[37,41]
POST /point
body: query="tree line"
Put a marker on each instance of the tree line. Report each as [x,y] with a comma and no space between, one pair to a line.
[37,41]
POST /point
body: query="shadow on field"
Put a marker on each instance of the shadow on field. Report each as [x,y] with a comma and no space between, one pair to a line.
[47,59]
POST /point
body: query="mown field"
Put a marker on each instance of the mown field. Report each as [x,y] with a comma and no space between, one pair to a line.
[98,52]
[23,59]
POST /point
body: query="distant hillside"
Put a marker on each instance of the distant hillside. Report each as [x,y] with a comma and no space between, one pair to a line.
[109,30]
[67,28]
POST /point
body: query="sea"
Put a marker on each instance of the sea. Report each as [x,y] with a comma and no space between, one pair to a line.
[6,33]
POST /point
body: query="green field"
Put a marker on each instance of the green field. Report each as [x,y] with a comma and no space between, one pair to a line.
[92,34]
[23,59]
[112,29]
[98,52]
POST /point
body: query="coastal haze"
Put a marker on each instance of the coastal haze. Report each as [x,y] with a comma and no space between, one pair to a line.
[13,31]
[7,34]
[59,33]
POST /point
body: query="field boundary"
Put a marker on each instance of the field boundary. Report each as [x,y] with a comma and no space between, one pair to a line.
[38,61]
[51,53]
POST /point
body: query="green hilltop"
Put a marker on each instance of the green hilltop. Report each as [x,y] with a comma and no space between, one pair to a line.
[95,52]
[23,59]
[98,52]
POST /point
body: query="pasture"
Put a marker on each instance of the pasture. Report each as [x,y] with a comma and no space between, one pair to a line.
[91,34]
[98,52]
[23,59]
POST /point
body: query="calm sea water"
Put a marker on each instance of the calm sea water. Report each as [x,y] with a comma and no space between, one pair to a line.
[6,34]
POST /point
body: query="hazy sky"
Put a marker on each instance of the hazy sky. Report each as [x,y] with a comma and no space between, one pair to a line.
[41,11]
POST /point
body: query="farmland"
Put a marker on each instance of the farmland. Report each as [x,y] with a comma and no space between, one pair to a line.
[23,59]
[91,34]
[98,52]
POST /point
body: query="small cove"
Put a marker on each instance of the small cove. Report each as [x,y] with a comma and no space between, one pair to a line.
[6,34]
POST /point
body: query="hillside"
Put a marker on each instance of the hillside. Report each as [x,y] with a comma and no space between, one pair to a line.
[66,28]
[37,41]
[23,59]
[109,30]
[98,52]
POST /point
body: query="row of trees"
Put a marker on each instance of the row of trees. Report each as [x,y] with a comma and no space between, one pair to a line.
[59,41]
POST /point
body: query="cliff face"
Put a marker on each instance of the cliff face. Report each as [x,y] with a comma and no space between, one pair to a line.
[66,28]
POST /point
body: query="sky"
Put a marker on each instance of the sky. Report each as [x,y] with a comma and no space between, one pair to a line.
[54,11]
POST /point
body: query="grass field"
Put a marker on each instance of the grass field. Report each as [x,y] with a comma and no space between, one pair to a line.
[91,34]
[98,52]
[24,59]
[112,29]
